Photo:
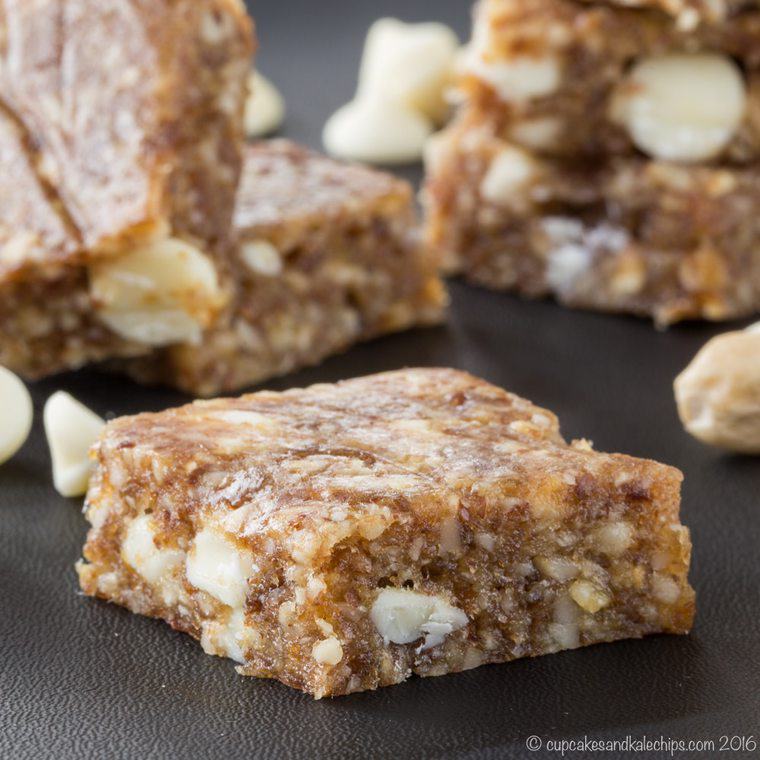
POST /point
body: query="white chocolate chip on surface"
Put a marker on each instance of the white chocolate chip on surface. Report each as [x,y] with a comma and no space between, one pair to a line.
[264,108]
[410,64]
[682,107]
[16,414]
[219,567]
[718,394]
[71,429]
[376,131]
[509,174]
[402,616]
[161,293]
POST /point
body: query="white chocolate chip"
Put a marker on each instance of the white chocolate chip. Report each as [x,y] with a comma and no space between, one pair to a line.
[219,567]
[265,107]
[71,429]
[16,413]
[403,616]
[328,651]
[537,134]
[161,293]
[510,172]
[409,64]
[139,551]
[682,107]
[718,394]
[521,79]
[261,257]
[376,131]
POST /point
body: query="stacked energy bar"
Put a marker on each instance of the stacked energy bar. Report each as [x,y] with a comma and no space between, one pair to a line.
[607,154]
[121,141]
[127,234]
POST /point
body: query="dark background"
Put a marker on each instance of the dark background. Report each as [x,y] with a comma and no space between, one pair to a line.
[80,678]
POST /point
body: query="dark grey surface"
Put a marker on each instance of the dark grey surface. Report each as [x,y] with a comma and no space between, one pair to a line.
[83,679]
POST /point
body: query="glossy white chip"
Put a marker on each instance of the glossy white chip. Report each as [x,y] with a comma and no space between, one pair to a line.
[376,131]
[683,107]
[409,64]
[264,108]
[16,414]
[161,293]
[71,429]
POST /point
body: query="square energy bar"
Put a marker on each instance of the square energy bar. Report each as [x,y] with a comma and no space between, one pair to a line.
[651,238]
[121,130]
[343,537]
[569,78]
[328,254]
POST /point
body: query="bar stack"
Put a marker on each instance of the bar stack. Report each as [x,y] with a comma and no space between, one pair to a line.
[606,153]
[138,230]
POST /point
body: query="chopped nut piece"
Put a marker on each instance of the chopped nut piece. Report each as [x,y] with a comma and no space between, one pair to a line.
[328,651]
[614,538]
[261,257]
[718,394]
[556,567]
[588,596]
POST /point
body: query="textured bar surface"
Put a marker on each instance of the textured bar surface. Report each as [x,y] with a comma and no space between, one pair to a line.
[122,124]
[342,537]
[329,254]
